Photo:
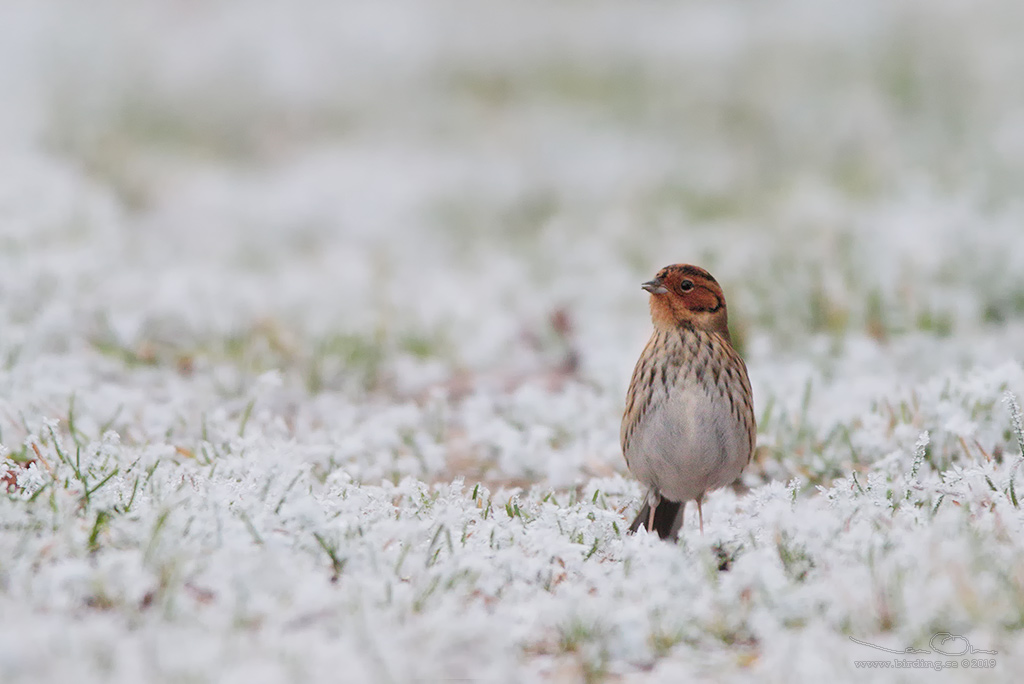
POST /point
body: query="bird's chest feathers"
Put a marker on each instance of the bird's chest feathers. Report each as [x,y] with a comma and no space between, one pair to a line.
[687,439]
[686,420]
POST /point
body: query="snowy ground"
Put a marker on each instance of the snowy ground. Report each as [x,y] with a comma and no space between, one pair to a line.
[316,322]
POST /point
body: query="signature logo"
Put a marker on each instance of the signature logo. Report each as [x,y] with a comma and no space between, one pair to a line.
[942,643]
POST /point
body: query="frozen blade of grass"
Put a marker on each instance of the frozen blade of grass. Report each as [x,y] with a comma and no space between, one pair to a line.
[434,550]
[420,601]
[1017,417]
[152,469]
[74,465]
[337,563]
[256,537]
[154,535]
[102,517]
[72,429]
[109,423]
[35,495]
[284,495]
[1018,428]
[131,499]
[92,490]
[246,414]
[267,484]
[794,558]
[401,559]
[920,452]
[60,451]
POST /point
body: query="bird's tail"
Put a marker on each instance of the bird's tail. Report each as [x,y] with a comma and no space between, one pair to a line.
[668,518]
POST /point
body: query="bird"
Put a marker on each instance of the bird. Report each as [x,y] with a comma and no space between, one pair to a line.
[689,426]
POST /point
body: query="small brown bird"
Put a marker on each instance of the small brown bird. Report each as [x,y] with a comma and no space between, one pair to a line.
[689,422]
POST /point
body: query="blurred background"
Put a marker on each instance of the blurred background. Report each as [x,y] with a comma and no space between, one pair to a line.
[385,198]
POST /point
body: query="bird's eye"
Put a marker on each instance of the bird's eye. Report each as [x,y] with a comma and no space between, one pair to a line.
[686,286]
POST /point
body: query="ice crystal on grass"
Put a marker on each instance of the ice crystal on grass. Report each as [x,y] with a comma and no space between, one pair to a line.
[1010,400]
[920,451]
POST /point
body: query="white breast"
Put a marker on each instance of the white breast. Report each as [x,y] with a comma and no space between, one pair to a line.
[689,442]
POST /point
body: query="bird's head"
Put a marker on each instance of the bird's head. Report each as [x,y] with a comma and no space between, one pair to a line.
[685,295]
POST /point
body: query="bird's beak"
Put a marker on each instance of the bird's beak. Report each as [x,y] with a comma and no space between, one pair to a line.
[654,286]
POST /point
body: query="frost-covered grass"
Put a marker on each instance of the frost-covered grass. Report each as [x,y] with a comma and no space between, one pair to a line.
[316,322]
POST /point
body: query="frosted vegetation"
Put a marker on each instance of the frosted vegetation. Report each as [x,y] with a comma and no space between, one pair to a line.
[316,323]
